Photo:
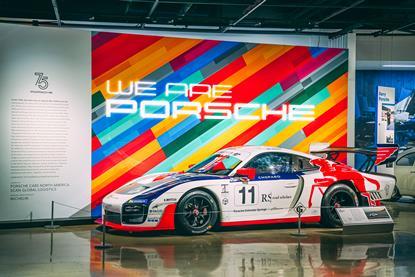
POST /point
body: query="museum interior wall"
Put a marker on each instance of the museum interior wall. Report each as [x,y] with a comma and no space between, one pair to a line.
[109,130]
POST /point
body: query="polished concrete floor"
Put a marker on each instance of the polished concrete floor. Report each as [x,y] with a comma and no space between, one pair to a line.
[270,251]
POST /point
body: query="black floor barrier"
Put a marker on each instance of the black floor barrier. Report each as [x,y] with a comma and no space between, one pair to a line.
[104,245]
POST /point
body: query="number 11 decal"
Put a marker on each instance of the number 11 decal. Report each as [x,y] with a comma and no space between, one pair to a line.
[246,195]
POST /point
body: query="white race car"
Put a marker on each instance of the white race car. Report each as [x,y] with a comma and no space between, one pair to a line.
[248,185]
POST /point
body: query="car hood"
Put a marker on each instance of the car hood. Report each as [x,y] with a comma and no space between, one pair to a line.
[155,183]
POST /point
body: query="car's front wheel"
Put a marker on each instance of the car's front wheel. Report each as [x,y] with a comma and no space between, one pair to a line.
[336,196]
[196,213]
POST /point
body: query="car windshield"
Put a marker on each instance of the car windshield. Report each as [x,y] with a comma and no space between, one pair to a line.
[218,164]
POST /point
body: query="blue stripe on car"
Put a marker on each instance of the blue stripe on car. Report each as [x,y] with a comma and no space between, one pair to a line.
[154,193]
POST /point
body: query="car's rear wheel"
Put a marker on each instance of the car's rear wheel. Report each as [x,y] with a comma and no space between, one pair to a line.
[196,213]
[336,196]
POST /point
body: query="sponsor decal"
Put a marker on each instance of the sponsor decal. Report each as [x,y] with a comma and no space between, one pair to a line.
[169,199]
[266,177]
[224,189]
[225,201]
[250,210]
[138,201]
[268,197]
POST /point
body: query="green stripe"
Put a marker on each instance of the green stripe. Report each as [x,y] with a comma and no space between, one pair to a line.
[187,137]
[97,99]
[320,84]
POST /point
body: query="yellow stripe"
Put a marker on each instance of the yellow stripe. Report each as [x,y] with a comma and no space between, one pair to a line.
[339,84]
[127,164]
[335,134]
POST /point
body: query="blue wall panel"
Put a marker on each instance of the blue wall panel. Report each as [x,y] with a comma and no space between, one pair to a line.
[367,82]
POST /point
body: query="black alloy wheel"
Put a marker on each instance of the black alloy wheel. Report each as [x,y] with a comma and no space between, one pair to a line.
[336,196]
[196,213]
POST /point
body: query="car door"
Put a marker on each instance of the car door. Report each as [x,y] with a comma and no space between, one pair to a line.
[274,187]
[405,174]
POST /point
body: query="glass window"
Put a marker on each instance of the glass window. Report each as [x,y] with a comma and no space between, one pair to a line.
[216,164]
[407,160]
[271,163]
[302,164]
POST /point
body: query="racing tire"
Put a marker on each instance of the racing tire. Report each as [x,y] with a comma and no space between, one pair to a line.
[396,195]
[336,196]
[196,213]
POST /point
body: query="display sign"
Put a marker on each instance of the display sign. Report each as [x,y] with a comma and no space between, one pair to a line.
[45,125]
[163,103]
[386,115]
[365,219]
[385,121]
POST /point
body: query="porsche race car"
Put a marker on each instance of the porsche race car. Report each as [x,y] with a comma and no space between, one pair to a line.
[249,185]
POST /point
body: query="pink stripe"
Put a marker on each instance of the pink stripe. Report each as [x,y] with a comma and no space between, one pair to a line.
[192,54]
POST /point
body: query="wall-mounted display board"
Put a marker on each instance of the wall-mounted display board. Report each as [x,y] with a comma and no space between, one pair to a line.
[45,122]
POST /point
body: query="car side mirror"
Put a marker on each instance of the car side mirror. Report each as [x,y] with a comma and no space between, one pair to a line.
[247,172]
[191,165]
[218,167]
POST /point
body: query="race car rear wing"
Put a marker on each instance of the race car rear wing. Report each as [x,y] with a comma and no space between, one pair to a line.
[382,154]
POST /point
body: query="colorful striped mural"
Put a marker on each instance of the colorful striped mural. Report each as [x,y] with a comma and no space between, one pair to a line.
[126,146]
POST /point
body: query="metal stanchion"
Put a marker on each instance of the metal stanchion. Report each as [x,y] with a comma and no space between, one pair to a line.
[31,216]
[51,247]
[103,244]
[299,209]
[52,225]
